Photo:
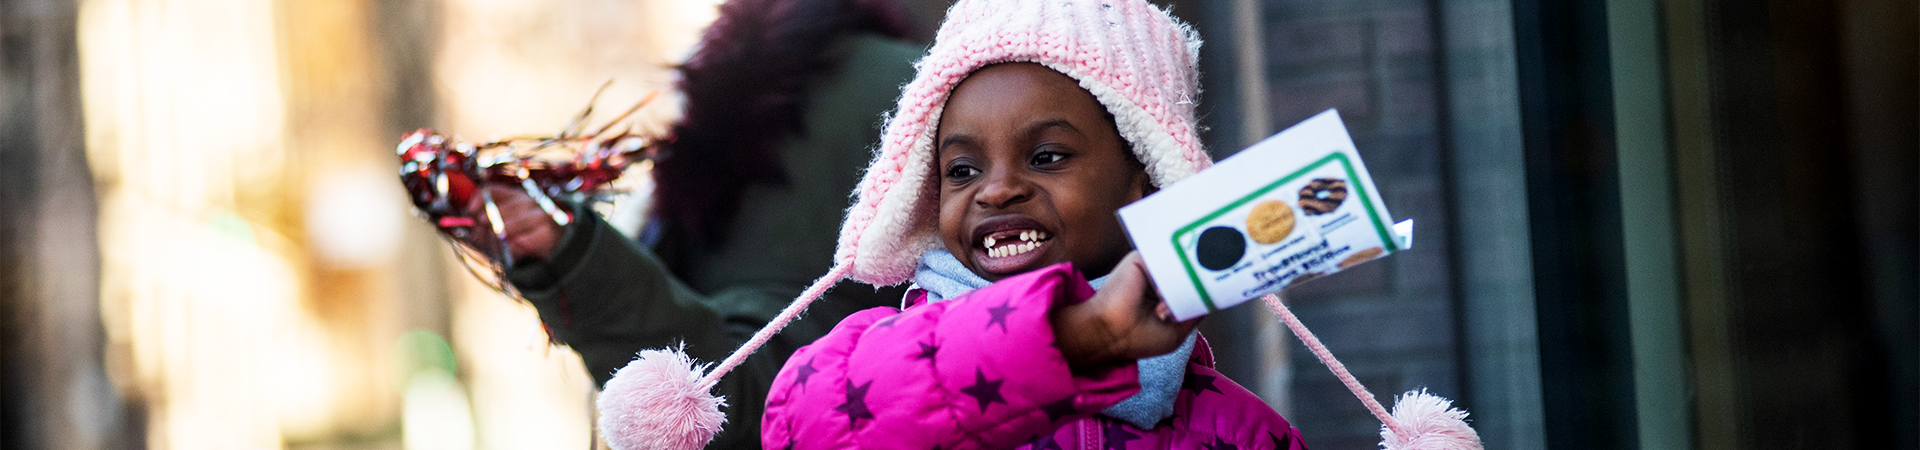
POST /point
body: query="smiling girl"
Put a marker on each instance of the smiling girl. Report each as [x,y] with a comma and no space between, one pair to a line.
[1029,324]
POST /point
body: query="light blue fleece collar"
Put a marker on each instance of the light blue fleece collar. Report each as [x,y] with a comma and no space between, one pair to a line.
[944,277]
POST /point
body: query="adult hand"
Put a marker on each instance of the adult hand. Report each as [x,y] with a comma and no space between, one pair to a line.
[530,232]
[1123,322]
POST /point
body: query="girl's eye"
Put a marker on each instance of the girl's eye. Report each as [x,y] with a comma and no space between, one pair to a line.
[961,172]
[1047,157]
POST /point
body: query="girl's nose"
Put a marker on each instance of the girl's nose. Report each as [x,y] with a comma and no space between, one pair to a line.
[1003,188]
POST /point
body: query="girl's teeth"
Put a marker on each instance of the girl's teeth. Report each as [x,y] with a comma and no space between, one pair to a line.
[1012,250]
[1029,240]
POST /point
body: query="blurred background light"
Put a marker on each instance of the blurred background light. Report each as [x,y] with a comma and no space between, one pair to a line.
[355,216]
[436,413]
[202,288]
[263,283]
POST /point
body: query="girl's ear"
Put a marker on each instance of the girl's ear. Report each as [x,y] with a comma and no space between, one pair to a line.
[1145,183]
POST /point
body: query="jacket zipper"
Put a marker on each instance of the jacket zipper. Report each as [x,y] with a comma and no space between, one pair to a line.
[1090,436]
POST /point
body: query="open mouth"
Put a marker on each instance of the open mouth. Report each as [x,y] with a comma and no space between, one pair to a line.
[1010,246]
[1011,243]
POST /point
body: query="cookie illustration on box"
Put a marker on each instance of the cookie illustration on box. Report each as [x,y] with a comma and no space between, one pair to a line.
[1270,222]
[1323,195]
[1220,248]
[1361,256]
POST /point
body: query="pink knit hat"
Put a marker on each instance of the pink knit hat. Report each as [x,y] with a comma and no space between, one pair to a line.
[1136,59]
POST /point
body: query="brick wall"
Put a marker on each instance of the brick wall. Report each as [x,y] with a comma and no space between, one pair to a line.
[1392,321]
[1427,89]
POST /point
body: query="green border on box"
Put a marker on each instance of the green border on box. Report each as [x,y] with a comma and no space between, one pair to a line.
[1359,188]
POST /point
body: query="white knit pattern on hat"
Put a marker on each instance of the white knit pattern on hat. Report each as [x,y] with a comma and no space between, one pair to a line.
[1135,58]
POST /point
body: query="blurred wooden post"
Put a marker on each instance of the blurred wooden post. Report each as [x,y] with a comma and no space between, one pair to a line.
[54,391]
[335,136]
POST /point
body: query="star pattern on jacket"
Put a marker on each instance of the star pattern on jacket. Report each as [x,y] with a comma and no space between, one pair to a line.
[1059,409]
[1220,444]
[1167,421]
[999,315]
[802,374]
[1020,387]
[1115,435]
[791,439]
[987,392]
[885,323]
[1199,383]
[1282,441]
[856,405]
[927,351]
[1043,442]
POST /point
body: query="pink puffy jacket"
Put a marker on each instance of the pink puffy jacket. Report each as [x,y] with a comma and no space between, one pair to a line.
[981,371]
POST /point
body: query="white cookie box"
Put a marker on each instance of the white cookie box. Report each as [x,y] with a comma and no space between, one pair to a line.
[1187,231]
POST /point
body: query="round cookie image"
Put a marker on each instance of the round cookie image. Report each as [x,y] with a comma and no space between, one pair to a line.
[1361,256]
[1323,195]
[1220,248]
[1270,222]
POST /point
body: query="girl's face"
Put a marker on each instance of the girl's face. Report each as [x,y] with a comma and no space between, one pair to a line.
[1031,173]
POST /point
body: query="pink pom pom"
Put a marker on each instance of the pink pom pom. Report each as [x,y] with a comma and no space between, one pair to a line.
[1431,423]
[659,402]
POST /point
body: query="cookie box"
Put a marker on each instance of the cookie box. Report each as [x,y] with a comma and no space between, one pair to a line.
[1296,206]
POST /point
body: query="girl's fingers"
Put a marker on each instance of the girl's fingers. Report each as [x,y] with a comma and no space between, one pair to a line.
[529,231]
[532,232]
[537,244]
[523,220]
[1155,331]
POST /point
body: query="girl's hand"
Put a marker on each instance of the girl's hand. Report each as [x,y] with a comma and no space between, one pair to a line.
[531,233]
[1123,322]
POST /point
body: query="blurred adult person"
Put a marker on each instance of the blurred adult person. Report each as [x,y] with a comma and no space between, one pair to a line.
[784,100]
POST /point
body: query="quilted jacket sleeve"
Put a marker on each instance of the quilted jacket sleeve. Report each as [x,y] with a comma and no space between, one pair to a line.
[979,371]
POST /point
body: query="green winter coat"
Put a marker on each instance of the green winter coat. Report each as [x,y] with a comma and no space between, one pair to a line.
[608,297]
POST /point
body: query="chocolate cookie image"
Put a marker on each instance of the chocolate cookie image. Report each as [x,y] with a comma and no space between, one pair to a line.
[1361,256]
[1323,195]
[1220,248]
[1270,222]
